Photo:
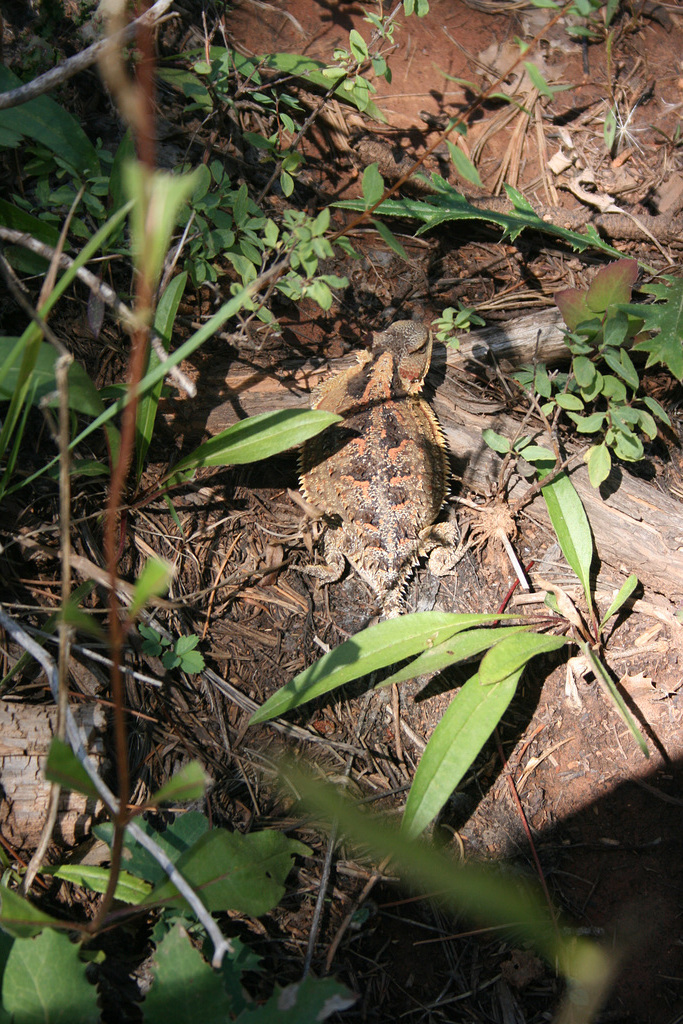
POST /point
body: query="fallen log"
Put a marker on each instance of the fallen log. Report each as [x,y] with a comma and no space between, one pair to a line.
[637,528]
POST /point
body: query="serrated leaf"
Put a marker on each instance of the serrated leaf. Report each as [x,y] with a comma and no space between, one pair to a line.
[257,437]
[184,985]
[64,767]
[45,982]
[512,654]
[189,783]
[572,529]
[624,593]
[666,319]
[231,871]
[462,731]
[129,889]
[373,648]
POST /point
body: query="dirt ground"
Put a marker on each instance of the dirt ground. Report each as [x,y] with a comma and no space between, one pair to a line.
[605,822]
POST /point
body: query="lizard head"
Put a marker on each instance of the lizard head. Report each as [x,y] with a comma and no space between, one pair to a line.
[411,345]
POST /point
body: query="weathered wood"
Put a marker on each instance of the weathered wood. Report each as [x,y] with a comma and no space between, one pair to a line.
[26,731]
[636,527]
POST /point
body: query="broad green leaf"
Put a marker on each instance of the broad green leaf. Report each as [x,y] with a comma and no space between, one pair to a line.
[512,654]
[257,437]
[304,1002]
[231,871]
[46,122]
[603,676]
[185,988]
[129,889]
[189,783]
[572,529]
[45,982]
[569,401]
[588,424]
[624,593]
[20,918]
[152,582]
[177,839]
[369,650]
[83,395]
[496,441]
[64,767]
[462,731]
[611,285]
[621,363]
[599,463]
[459,648]
[359,48]
[164,320]
[584,371]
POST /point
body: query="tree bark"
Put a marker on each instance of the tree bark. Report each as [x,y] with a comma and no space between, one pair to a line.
[26,731]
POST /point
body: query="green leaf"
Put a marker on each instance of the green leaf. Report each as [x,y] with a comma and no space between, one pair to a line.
[157,201]
[609,129]
[129,889]
[463,165]
[304,1002]
[654,406]
[16,219]
[46,122]
[390,239]
[359,48]
[64,767]
[572,529]
[538,81]
[460,647]
[20,918]
[584,371]
[588,424]
[623,595]
[603,676]
[184,985]
[371,649]
[569,401]
[496,441]
[152,582]
[612,285]
[512,654]
[189,783]
[666,319]
[462,731]
[447,204]
[178,838]
[257,437]
[286,183]
[231,871]
[621,363]
[45,982]
[164,320]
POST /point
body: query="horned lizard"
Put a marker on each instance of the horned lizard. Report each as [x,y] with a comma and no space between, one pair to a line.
[380,477]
